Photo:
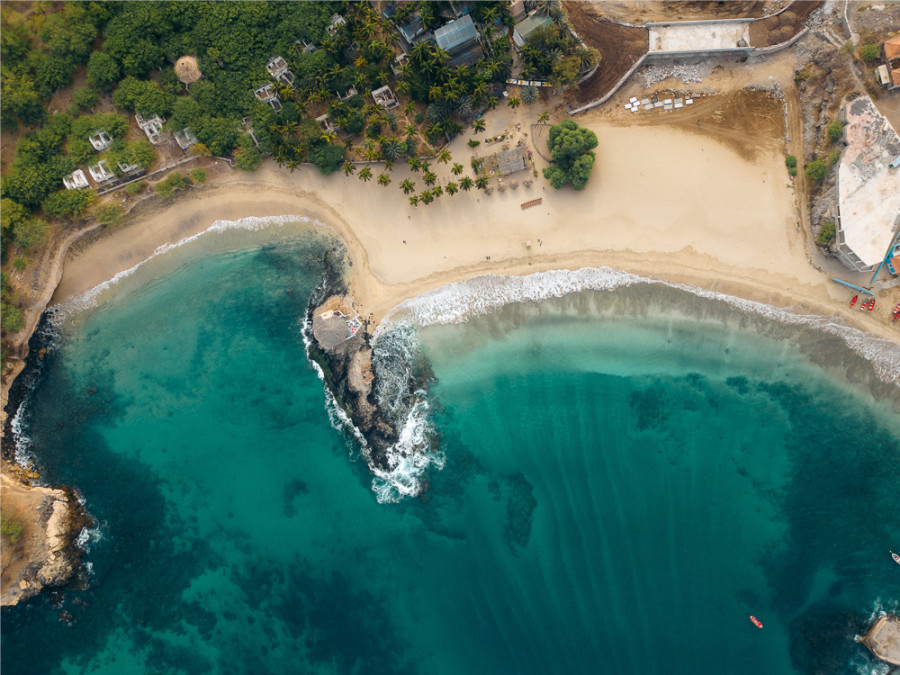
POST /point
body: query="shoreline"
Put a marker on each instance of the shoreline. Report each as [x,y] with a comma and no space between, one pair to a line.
[240,196]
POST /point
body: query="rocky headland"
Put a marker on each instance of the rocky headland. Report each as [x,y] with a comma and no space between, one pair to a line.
[339,341]
[40,531]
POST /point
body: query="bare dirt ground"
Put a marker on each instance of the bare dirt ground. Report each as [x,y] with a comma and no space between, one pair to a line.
[781,28]
[644,11]
[620,47]
[747,121]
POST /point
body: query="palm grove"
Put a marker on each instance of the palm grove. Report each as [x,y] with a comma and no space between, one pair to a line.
[127,49]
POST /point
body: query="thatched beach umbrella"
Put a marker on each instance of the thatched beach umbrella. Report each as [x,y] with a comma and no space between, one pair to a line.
[187,70]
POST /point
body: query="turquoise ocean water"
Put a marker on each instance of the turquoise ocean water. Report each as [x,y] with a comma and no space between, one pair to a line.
[628,476]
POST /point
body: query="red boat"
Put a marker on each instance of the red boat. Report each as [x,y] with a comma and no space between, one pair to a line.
[893,555]
[854,299]
[756,622]
[896,312]
[871,304]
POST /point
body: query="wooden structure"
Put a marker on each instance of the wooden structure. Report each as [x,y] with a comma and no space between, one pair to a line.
[533,202]
[883,639]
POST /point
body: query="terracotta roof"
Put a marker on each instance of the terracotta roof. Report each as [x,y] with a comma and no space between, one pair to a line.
[892,48]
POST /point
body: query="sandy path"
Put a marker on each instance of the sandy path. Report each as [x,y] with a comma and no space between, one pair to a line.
[662,202]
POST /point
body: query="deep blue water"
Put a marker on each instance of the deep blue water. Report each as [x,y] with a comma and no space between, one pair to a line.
[621,491]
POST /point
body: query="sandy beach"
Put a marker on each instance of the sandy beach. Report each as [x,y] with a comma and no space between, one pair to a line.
[665,200]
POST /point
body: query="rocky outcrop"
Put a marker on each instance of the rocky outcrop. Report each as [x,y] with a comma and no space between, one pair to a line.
[339,341]
[41,527]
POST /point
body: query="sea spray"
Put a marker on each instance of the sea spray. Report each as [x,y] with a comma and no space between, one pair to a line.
[401,371]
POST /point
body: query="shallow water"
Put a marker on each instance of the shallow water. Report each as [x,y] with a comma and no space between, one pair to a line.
[628,476]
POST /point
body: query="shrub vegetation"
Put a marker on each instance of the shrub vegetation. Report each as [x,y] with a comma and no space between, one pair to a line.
[573,160]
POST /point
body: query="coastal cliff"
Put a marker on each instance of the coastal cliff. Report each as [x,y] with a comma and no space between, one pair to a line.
[40,530]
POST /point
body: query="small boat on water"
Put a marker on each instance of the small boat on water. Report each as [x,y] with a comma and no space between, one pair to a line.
[895,557]
[854,299]
[756,622]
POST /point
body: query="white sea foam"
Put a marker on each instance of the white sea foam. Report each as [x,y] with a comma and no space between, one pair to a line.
[87,537]
[18,424]
[457,302]
[88,299]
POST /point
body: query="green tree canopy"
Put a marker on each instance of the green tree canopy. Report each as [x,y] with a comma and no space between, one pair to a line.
[68,204]
[573,160]
[103,71]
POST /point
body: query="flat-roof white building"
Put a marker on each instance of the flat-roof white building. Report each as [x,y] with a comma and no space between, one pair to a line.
[100,173]
[869,190]
[100,140]
[152,127]
[76,180]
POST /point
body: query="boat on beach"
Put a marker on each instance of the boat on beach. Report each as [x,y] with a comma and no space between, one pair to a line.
[854,299]
[756,622]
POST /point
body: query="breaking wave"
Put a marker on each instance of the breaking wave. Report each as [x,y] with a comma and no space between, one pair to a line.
[410,458]
[457,302]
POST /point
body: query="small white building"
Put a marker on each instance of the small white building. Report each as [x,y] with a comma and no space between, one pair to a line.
[129,169]
[266,94]
[100,173]
[326,124]
[100,140]
[384,98]
[336,22]
[152,127]
[185,138]
[76,181]
[278,68]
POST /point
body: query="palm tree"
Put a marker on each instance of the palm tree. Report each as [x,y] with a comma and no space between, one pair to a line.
[384,179]
[429,178]
[465,183]
[437,190]
[492,102]
[410,130]
[388,165]
[426,197]
[514,102]
[414,200]
[435,93]
[457,169]
[481,182]
[478,125]
[543,117]
[587,57]
[443,156]
[414,163]
[407,186]
[529,95]
[365,174]
[390,149]
[426,165]
[349,167]
[452,188]
[410,108]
